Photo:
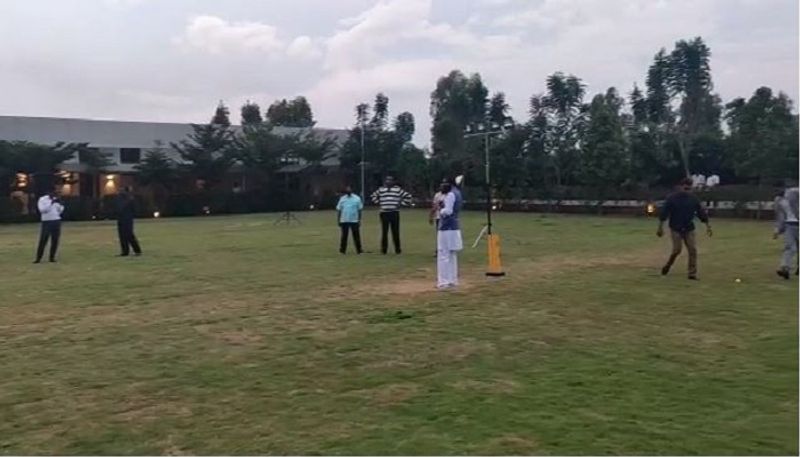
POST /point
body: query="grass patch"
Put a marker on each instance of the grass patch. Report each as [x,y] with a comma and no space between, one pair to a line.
[235,336]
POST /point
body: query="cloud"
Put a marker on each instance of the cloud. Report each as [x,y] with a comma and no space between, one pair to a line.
[217,36]
[303,47]
[407,83]
[341,53]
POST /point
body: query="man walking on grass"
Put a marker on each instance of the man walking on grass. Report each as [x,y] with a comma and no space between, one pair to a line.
[681,208]
[50,209]
[391,197]
[126,212]
[348,212]
[786,222]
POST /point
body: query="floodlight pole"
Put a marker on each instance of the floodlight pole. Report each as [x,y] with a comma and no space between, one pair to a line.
[487,134]
[488,186]
[363,158]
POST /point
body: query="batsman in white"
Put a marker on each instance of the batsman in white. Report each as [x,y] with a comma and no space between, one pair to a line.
[449,236]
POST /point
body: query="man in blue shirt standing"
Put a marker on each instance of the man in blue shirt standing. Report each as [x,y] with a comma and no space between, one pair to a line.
[349,211]
[449,239]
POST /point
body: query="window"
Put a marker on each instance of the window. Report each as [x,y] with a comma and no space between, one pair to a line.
[130,155]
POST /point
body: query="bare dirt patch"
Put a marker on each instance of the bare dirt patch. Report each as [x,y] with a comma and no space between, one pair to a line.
[390,394]
[492,386]
[239,337]
[510,445]
[464,349]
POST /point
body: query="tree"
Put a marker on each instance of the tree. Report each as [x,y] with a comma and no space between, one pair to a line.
[157,171]
[221,116]
[362,114]
[404,126]
[388,151]
[603,157]
[95,160]
[456,102]
[38,160]
[648,158]
[295,113]
[251,114]
[689,79]
[208,153]
[261,150]
[380,110]
[763,136]
[498,109]
[564,112]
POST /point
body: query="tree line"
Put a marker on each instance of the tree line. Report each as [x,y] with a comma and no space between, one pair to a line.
[672,127]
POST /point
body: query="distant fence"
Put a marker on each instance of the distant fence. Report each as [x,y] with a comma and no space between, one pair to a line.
[183,205]
[748,210]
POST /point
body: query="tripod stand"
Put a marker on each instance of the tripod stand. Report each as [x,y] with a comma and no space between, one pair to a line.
[483,232]
[287,218]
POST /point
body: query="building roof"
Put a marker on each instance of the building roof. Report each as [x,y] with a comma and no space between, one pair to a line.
[125,134]
[114,134]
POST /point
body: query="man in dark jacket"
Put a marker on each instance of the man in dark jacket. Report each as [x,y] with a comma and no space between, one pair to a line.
[681,208]
[126,211]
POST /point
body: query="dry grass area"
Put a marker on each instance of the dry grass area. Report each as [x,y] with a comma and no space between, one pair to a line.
[234,336]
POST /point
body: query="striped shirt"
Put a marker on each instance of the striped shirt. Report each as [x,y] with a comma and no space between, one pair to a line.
[391,198]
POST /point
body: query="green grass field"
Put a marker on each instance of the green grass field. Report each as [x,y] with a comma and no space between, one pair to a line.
[234,336]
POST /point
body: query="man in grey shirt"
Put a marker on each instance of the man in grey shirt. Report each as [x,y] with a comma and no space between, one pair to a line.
[786,222]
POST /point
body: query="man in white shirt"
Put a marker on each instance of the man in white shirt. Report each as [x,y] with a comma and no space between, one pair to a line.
[712,181]
[50,209]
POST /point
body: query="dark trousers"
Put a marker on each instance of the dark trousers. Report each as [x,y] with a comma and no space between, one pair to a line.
[678,240]
[127,239]
[390,220]
[355,227]
[51,230]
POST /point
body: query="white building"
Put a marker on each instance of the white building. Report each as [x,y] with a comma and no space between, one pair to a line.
[125,142]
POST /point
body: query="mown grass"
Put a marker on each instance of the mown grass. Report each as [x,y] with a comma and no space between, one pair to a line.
[235,336]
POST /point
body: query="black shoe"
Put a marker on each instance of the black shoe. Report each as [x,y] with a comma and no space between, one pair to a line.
[37,261]
[783,274]
[137,254]
[52,260]
[664,271]
[693,278]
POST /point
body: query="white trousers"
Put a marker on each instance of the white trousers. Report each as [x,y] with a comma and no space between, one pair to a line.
[449,243]
[447,268]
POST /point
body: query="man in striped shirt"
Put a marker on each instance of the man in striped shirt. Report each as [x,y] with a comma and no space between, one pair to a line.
[391,197]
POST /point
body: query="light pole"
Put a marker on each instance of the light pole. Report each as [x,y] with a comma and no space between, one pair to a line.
[363,158]
[487,130]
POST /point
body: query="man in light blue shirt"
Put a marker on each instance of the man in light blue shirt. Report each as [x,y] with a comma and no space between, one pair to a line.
[348,216]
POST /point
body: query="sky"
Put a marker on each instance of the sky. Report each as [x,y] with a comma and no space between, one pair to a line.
[174,60]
